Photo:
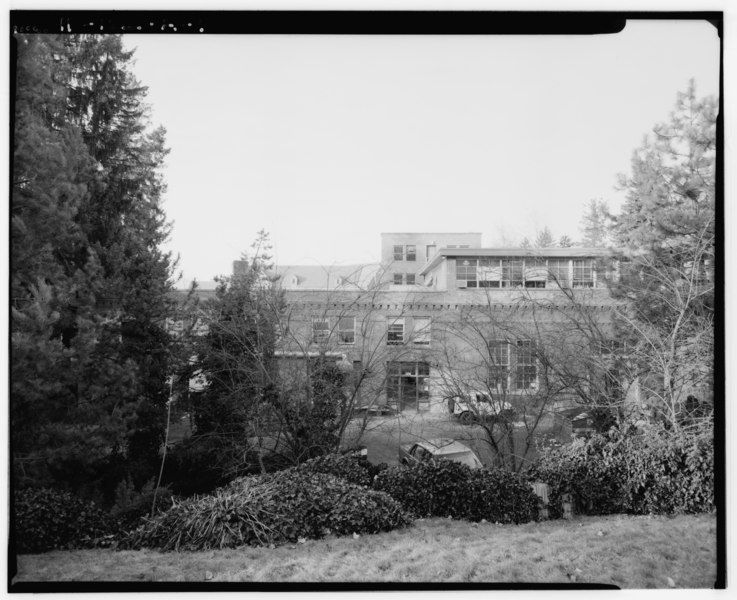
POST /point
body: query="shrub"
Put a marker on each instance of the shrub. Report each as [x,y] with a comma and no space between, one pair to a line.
[345,467]
[48,519]
[448,489]
[659,472]
[270,509]
[131,506]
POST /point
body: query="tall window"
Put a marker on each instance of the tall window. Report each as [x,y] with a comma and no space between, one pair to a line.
[320,331]
[467,273]
[526,366]
[512,272]
[398,252]
[558,272]
[395,332]
[410,278]
[347,330]
[499,368]
[422,335]
[398,278]
[583,273]
[411,252]
[536,273]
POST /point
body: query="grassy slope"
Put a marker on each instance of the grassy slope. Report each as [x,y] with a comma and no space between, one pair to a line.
[630,552]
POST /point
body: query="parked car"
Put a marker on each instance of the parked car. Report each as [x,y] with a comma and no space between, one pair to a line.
[582,425]
[478,406]
[416,452]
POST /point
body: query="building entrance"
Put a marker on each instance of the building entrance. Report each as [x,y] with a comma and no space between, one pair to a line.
[408,385]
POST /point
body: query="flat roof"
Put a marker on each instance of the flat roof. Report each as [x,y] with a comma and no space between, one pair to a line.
[513,253]
[432,233]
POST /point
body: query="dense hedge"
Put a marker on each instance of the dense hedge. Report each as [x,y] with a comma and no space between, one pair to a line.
[343,466]
[48,519]
[449,489]
[659,472]
[270,509]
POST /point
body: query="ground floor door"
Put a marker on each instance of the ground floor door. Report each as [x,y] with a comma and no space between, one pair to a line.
[408,385]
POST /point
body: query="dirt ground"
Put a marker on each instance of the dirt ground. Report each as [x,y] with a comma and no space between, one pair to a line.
[384,434]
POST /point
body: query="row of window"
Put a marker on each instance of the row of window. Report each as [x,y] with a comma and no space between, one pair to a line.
[529,273]
[408,252]
[404,278]
[398,331]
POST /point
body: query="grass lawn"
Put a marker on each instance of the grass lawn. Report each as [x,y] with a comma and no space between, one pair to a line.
[629,552]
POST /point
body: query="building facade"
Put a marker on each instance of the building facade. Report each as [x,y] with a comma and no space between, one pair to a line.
[441,316]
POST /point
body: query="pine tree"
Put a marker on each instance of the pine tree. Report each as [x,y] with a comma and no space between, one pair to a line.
[596,224]
[667,227]
[89,281]
[236,357]
[544,238]
[565,241]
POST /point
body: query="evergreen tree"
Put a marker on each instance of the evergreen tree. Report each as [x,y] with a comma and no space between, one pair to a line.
[565,241]
[596,224]
[544,238]
[667,227]
[89,281]
[236,358]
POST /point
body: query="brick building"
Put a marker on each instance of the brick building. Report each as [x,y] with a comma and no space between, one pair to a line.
[440,313]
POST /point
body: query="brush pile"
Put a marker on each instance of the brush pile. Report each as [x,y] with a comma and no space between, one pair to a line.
[273,509]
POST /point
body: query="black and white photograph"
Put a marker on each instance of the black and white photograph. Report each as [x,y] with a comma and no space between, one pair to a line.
[313,300]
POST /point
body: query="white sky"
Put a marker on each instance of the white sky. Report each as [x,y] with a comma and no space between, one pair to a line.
[327,141]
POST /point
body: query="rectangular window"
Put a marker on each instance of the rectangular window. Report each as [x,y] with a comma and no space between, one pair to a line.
[410,278]
[583,273]
[429,251]
[499,368]
[512,272]
[422,335]
[558,272]
[320,331]
[536,273]
[526,366]
[347,330]
[398,279]
[408,252]
[395,332]
[466,274]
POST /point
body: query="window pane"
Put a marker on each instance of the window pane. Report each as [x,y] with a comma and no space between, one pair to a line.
[558,272]
[499,368]
[395,332]
[583,273]
[422,331]
[410,278]
[398,279]
[411,253]
[398,252]
[347,330]
[320,331]
[512,272]
[526,366]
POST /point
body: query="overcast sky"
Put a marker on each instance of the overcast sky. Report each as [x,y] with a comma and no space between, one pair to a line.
[327,141]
